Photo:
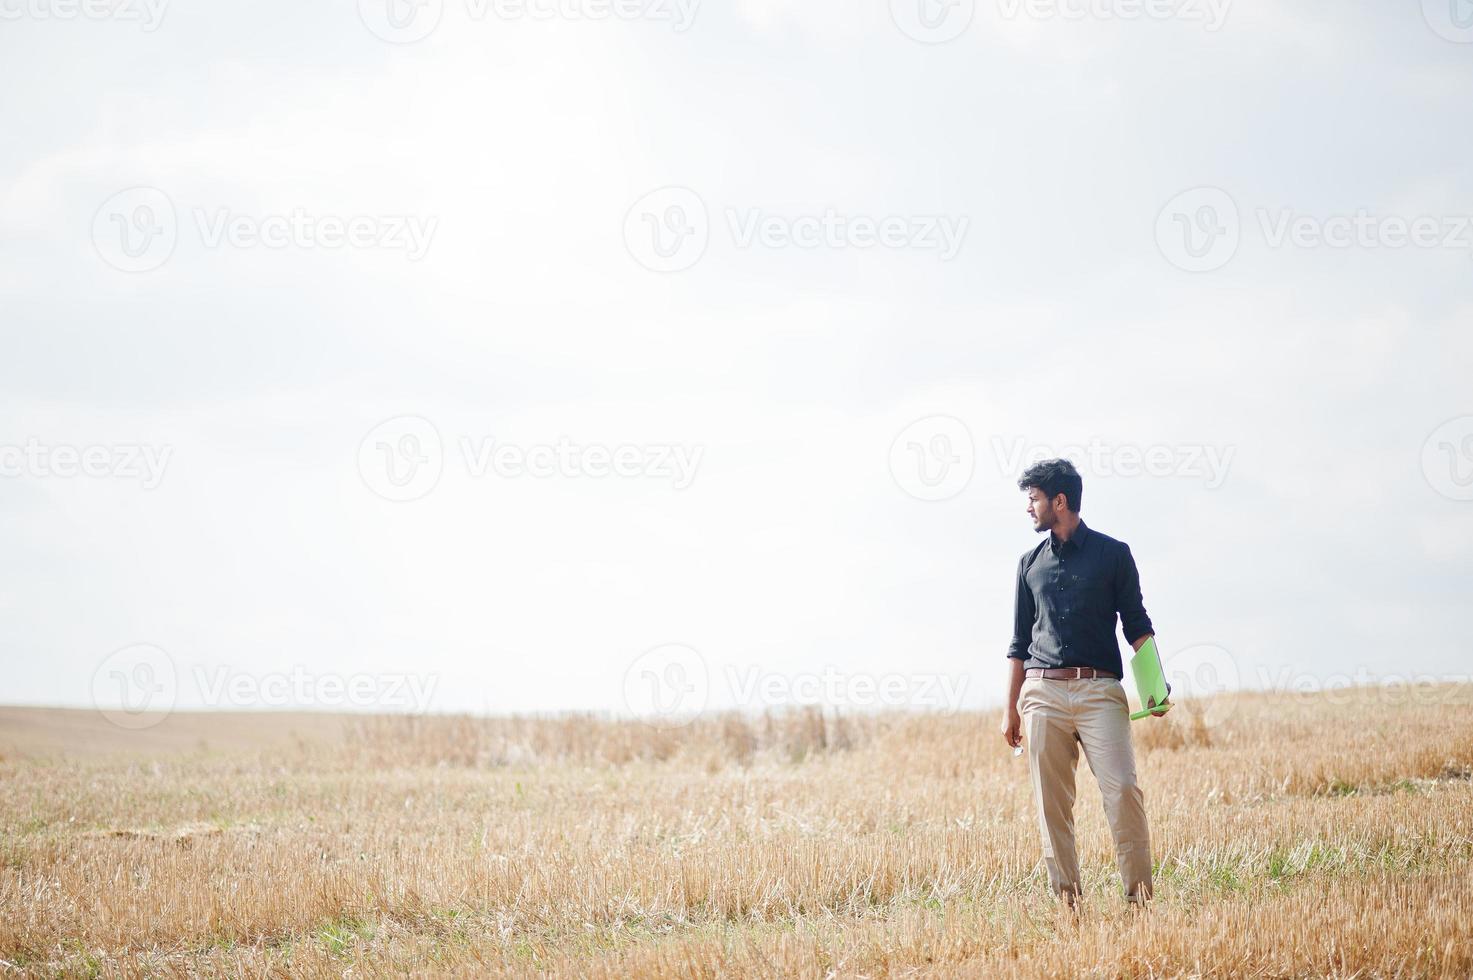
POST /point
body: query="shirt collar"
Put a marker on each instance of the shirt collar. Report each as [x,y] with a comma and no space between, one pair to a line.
[1077,539]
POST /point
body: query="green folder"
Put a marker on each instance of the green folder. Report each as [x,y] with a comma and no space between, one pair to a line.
[1150,681]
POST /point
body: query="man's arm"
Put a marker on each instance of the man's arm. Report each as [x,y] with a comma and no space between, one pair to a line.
[1133,619]
[1023,614]
[1134,622]
[1012,723]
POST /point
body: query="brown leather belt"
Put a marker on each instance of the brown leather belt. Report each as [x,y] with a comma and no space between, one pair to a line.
[1068,673]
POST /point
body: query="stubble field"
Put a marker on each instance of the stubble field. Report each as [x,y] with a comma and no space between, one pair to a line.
[1294,836]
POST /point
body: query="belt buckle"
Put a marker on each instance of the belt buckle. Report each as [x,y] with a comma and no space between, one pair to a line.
[1078,673]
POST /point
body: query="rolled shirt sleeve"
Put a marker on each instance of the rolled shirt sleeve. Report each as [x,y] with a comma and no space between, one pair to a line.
[1134,622]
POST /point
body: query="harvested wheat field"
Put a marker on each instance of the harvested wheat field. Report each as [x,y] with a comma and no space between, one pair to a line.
[1305,835]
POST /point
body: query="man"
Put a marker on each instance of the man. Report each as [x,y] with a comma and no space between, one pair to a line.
[1064,671]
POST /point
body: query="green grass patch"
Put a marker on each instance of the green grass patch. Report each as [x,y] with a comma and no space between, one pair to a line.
[340,935]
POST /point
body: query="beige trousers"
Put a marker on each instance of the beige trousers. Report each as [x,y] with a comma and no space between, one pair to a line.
[1095,708]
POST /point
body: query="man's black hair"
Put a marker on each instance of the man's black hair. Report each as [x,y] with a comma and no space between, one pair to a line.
[1053,477]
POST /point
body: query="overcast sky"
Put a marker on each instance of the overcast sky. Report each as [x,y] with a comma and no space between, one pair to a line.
[532,356]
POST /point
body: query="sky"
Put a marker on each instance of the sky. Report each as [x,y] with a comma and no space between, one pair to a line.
[652,356]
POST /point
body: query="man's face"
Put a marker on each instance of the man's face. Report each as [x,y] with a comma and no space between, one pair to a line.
[1043,511]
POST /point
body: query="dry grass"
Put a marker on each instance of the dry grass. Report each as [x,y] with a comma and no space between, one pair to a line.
[1297,837]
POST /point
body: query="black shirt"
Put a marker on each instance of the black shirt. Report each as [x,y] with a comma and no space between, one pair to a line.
[1067,598]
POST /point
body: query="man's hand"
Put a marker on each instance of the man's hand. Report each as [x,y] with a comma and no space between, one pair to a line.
[1151,702]
[1012,727]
